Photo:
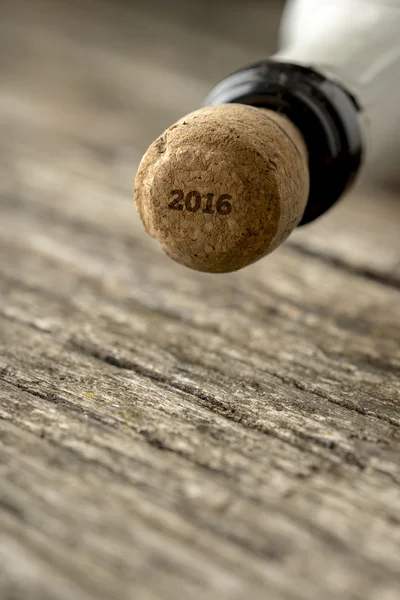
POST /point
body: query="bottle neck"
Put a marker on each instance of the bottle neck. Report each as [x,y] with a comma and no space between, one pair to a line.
[323,111]
[356,43]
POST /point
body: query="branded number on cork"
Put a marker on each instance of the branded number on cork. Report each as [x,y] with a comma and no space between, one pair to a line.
[194,201]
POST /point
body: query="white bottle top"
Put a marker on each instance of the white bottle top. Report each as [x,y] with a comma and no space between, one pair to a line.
[357,43]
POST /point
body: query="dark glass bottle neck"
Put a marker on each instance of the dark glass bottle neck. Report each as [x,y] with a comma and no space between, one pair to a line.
[324,112]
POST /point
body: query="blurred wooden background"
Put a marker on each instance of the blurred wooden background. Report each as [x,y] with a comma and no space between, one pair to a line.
[167,434]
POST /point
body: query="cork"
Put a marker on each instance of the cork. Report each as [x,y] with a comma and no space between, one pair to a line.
[223,187]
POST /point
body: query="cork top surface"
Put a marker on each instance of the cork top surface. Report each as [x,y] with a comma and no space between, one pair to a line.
[223,186]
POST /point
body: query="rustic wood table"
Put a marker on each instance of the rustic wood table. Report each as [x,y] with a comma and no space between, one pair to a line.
[167,434]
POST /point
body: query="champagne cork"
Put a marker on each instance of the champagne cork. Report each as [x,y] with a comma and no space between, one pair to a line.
[223,187]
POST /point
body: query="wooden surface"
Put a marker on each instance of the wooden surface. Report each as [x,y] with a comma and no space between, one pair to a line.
[167,434]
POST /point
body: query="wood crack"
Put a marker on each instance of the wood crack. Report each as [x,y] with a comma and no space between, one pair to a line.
[338,263]
[217,407]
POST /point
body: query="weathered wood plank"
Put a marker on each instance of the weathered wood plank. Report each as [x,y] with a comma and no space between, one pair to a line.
[165,433]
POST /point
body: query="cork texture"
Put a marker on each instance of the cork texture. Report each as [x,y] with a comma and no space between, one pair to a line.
[223,187]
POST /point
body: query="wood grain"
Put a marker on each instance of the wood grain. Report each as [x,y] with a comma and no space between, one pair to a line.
[165,433]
